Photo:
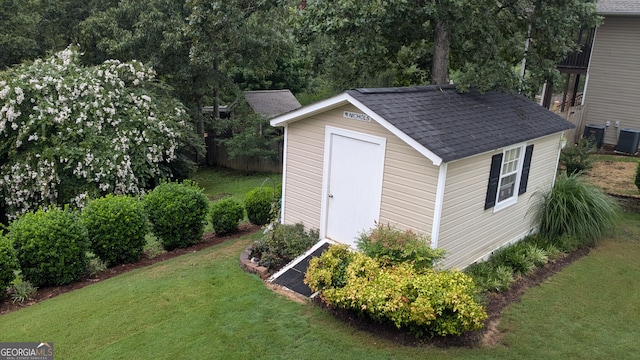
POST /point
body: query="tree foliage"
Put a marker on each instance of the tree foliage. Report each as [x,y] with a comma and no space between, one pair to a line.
[486,39]
[71,132]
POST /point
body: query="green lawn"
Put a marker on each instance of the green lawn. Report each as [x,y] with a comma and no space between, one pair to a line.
[219,182]
[202,305]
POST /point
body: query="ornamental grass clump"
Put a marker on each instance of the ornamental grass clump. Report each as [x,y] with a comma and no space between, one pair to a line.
[422,301]
[576,209]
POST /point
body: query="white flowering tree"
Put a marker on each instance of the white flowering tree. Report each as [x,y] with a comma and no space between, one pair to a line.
[69,132]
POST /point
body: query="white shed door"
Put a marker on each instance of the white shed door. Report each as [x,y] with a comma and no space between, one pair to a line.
[353,183]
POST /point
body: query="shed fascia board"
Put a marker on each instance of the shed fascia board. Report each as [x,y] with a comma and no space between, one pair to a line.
[344,99]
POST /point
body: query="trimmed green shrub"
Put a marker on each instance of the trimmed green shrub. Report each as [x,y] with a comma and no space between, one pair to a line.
[226,215]
[576,158]
[283,244]
[575,208]
[637,181]
[258,203]
[117,226]
[178,213]
[51,246]
[392,246]
[424,302]
[8,264]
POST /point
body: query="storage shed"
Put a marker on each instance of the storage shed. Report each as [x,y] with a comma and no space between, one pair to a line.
[460,167]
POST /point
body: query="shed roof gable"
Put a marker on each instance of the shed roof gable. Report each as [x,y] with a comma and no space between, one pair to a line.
[444,124]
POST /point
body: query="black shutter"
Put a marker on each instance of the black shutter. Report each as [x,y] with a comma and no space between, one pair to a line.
[494,179]
[524,178]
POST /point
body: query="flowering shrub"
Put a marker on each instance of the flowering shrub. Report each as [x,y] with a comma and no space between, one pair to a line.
[51,246]
[177,212]
[423,301]
[70,132]
[117,226]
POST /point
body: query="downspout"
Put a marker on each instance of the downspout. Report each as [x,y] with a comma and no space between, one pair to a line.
[437,211]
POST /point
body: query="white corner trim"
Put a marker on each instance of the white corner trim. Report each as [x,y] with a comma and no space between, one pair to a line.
[437,212]
[284,173]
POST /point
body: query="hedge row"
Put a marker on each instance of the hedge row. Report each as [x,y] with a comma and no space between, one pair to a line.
[50,247]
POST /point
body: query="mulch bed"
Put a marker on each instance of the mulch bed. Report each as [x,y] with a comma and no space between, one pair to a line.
[208,240]
[489,335]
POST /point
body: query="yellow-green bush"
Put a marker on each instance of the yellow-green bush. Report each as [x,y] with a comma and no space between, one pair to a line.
[422,301]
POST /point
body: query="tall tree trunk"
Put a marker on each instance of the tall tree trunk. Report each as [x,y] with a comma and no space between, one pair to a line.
[442,43]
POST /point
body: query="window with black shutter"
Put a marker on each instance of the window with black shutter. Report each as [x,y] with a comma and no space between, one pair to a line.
[508,176]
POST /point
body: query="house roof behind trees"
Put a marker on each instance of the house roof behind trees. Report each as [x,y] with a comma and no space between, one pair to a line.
[618,7]
[270,103]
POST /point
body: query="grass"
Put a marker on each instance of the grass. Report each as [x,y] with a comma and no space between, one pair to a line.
[203,305]
[219,182]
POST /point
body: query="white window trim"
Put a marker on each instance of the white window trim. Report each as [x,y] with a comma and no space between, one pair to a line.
[500,205]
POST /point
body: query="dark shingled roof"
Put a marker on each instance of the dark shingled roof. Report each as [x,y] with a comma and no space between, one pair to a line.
[456,125]
[270,103]
[618,7]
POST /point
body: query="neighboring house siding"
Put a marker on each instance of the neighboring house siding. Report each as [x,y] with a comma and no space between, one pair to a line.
[409,180]
[613,89]
[468,232]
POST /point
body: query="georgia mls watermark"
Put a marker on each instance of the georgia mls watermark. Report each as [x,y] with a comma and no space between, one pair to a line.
[26,351]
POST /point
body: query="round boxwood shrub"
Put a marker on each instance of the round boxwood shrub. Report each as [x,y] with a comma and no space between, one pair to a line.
[8,264]
[51,246]
[117,226]
[177,212]
[258,204]
[226,215]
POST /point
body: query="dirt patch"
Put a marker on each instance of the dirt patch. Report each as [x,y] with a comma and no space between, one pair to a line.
[208,240]
[616,178]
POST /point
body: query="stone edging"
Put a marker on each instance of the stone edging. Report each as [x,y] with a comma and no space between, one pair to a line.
[252,267]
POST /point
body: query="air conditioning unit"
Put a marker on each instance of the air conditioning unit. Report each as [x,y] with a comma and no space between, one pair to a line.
[595,133]
[628,141]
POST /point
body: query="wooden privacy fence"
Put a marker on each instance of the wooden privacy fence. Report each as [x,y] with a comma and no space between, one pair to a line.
[217,155]
[576,116]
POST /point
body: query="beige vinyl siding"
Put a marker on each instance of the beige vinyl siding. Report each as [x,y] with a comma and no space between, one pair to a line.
[613,88]
[467,231]
[409,179]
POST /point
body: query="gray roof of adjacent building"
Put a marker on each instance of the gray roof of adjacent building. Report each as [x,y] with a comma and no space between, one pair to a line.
[618,7]
[270,103]
[454,125]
